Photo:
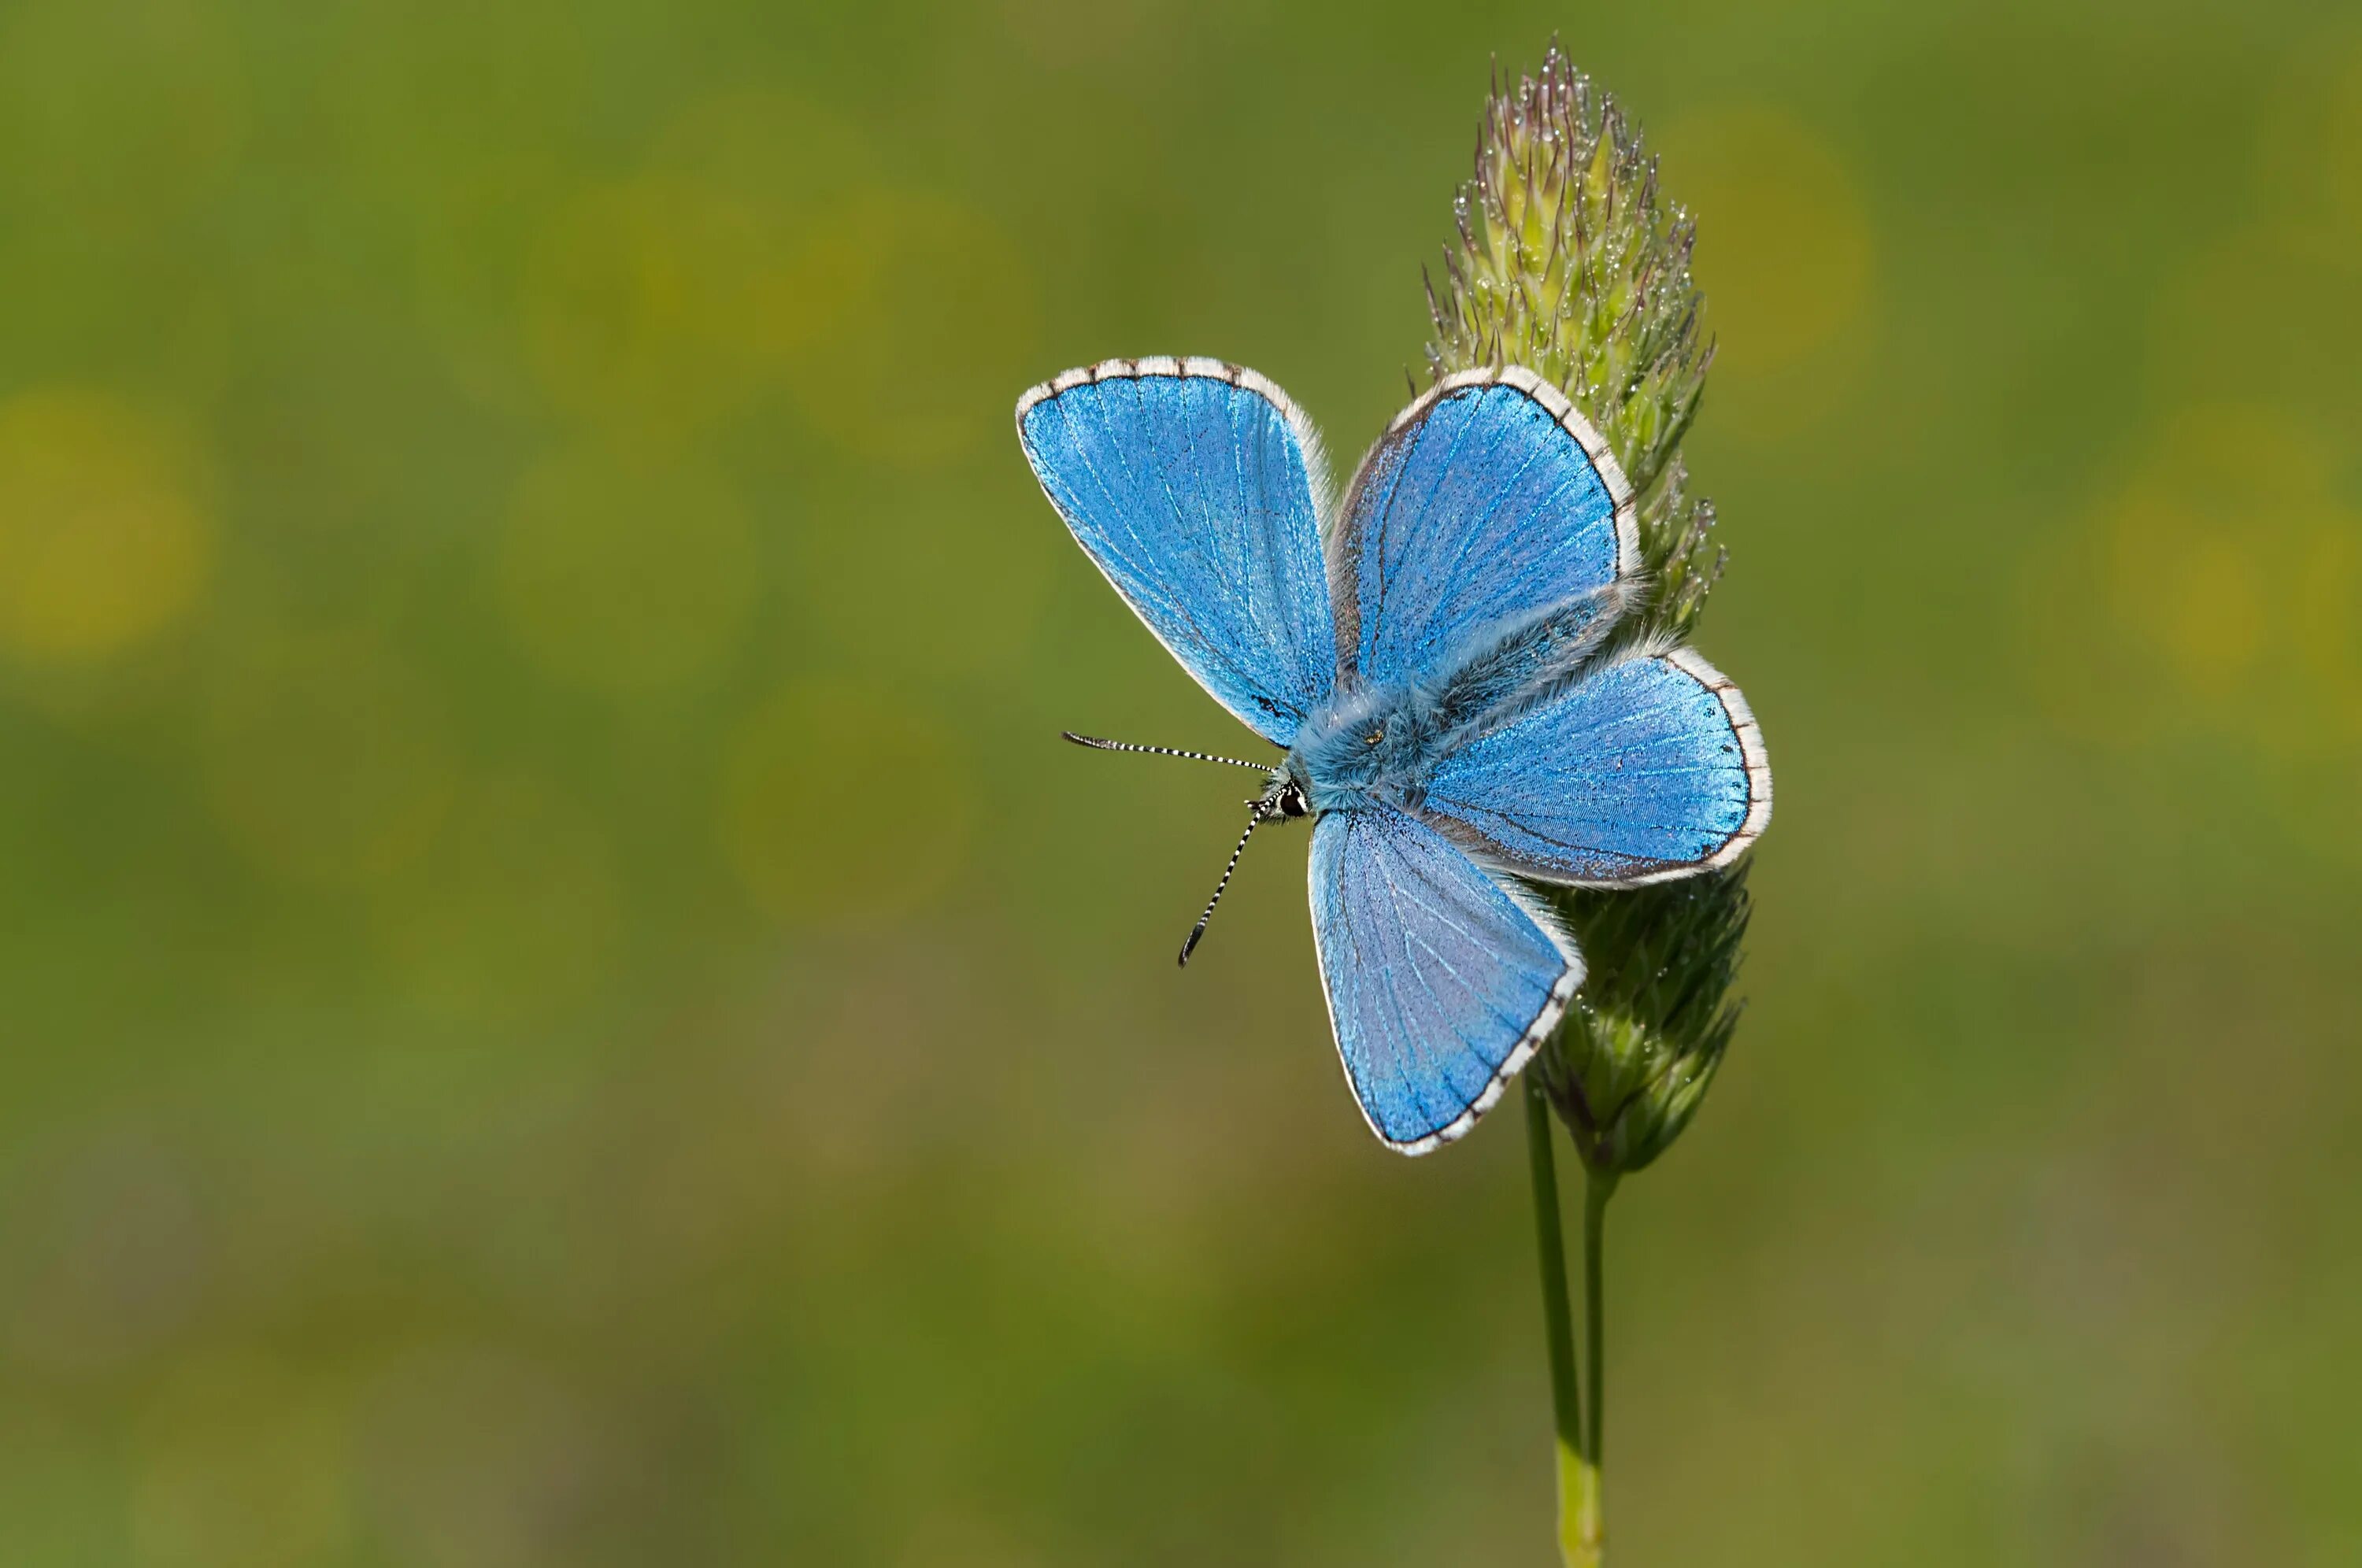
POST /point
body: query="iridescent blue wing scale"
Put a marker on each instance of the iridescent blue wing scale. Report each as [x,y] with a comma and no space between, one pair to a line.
[1197,487]
[1441,982]
[1647,769]
[1489,500]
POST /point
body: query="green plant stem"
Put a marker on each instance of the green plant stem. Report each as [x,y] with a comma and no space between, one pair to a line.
[1597,1189]
[1578,1477]
[1558,1309]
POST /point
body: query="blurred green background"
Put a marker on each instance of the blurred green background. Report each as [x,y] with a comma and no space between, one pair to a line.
[563,1005]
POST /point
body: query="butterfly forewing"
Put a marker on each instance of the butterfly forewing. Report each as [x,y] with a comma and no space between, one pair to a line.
[1193,485]
[1489,500]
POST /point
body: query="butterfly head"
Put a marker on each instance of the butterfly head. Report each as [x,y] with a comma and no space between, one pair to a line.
[1283,798]
[1284,795]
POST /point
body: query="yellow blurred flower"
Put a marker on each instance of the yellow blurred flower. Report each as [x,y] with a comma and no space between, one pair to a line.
[900,322]
[104,542]
[2212,589]
[1786,254]
[636,298]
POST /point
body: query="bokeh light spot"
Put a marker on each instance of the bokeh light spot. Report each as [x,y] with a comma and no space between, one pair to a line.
[2195,594]
[840,801]
[2191,539]
[905,321]
[636,297]
[326,756]
[103,541]
[2210,591]
[1785,249]
[624,575]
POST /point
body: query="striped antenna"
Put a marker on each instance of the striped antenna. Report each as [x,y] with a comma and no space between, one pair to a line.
[1097,745]
[1199,928]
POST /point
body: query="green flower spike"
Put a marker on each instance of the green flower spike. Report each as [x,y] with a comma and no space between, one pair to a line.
[1572,263]
[1648,1028]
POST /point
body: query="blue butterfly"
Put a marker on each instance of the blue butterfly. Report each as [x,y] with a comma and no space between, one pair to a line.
[1434,658]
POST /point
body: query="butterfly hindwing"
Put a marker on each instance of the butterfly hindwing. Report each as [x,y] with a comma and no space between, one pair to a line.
[1489,500]
[1647,769]
[1441,984]
[1195,486]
